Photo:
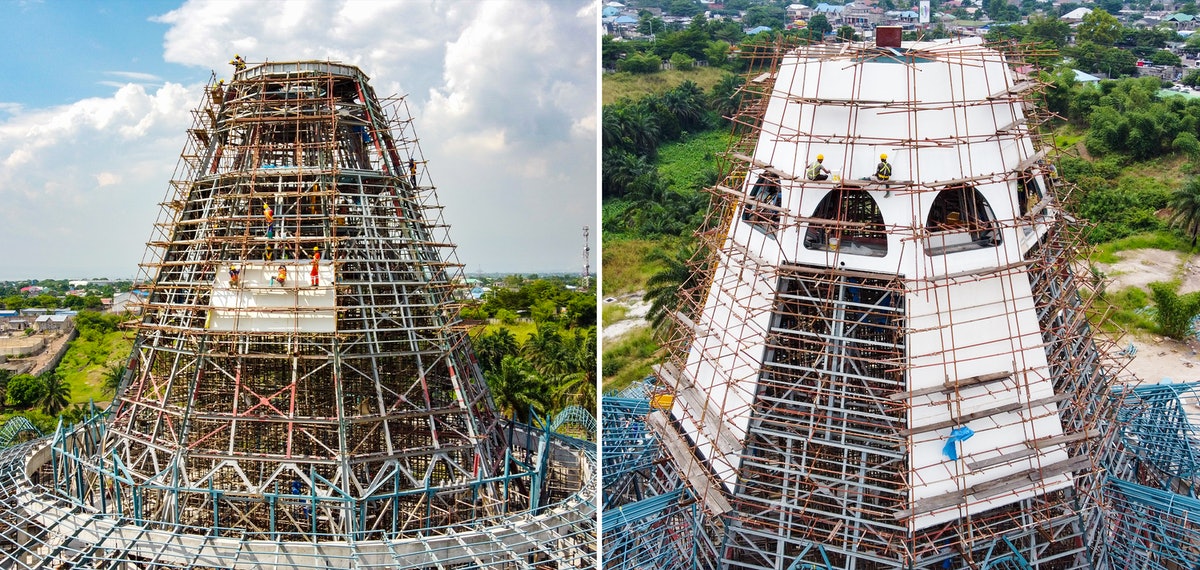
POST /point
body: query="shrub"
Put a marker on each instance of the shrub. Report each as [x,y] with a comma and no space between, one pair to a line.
[682,61]
[1175,312]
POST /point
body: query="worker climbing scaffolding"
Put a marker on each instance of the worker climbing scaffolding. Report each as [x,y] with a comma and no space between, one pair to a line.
[316,260]
[237,62]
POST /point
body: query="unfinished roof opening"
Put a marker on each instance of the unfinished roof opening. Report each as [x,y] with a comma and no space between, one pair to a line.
[859,229]
[960,220]
[758,212]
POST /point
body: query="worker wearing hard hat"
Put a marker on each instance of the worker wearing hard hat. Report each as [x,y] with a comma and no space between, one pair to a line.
[237,62]
[817,170]
[883,170]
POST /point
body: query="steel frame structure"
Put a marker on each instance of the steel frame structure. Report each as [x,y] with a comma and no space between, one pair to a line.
[301,391]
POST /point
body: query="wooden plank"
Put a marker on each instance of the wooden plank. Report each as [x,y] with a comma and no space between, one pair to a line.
[1053,440]
[711,421]
[989,489]
[950,386]
[985,413]
[697,475]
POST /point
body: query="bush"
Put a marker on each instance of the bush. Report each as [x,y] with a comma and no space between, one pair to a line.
[640,63]
[682,61]
[1174,311]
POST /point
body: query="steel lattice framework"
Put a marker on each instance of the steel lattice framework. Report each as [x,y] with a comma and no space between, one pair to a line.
[301,390]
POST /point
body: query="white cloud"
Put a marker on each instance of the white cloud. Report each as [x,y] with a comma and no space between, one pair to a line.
[54,160]
[503,95]
[135,76]
[107,179]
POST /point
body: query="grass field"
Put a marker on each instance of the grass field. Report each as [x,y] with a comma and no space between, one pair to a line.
[85,362]
[629,359]
[633,86]
[520,330]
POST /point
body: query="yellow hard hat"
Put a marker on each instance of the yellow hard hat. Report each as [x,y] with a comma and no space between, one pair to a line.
[316,249]
[820,157]
[883,156]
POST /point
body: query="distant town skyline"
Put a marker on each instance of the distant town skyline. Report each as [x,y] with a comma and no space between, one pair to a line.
[94,112]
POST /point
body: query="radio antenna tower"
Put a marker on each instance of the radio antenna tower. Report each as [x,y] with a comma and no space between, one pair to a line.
[587,258]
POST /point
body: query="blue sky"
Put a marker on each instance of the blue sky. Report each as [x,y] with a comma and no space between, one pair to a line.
[97,96]
[68,50]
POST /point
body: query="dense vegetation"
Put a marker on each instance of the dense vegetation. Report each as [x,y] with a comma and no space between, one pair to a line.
[554,364]
[84,374]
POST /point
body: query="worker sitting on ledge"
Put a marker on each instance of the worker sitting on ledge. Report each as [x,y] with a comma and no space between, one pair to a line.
[817,170]
[883,170]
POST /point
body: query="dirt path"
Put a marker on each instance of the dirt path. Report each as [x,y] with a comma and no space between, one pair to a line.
[635,316]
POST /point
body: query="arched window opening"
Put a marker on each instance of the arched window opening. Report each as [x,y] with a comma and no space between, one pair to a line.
[855,224]
[766,190]
[959,220]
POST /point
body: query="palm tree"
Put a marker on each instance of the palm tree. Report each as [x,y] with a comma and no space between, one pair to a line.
[544,349]
[664,289]
[56,393]
[1185,209]
[516,388]
[685,103]
[113,376]
[491,348]
[578,384]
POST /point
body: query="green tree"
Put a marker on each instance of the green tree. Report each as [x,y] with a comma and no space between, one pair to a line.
[1048,31]
[725,97]
[1192,78]
[24,390]
[769,16]
[544,348]
[578,384]
[846,33]
[1174,312]
[5,376]
[1165,58]
[516,388]
[491,348]
[56,393]
[1185,208]
[717,53]
[819,25]
[1098,27]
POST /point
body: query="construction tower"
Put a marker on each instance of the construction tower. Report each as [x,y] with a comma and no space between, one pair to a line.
[301,392]
[888,365]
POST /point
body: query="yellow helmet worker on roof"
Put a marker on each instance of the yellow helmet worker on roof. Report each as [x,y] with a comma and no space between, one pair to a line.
[883,156]
[817,170]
